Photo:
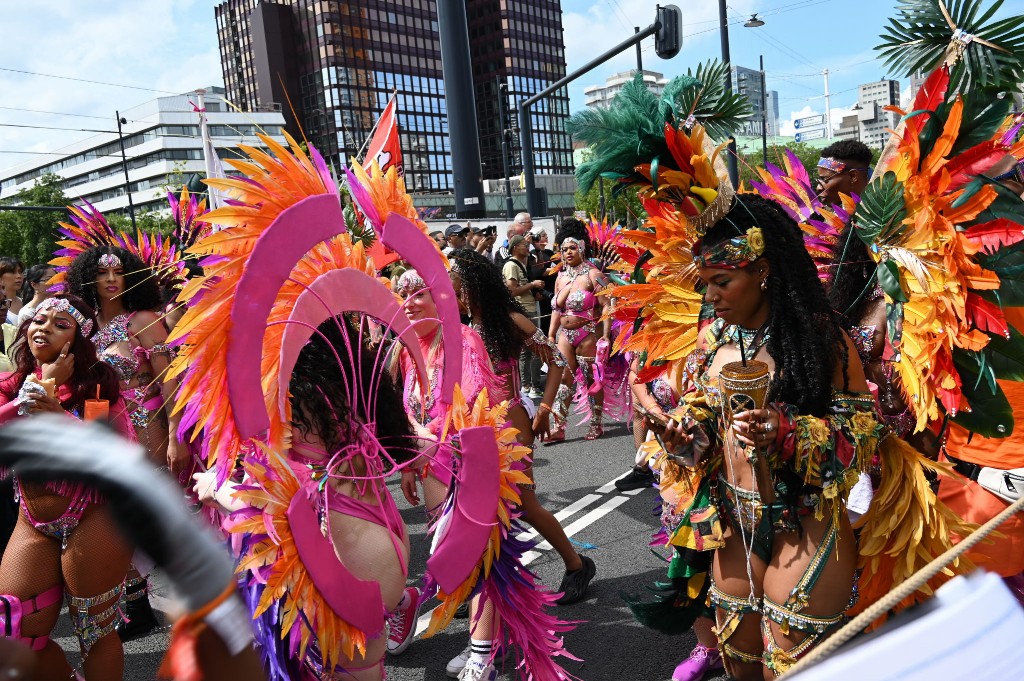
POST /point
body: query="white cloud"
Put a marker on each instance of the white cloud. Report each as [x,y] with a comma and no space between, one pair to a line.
[606,23]
[158,44]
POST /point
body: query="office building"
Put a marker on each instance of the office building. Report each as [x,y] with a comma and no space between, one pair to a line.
[602,95]
[339,62]
[162,146]
[747,82]
[872,118]
[916,81]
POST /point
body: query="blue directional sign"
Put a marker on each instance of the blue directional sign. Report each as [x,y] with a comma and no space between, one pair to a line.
[810,135]
[809,121]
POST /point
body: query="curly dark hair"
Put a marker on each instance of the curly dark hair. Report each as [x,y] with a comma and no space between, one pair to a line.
[322,388]
[89,371]
[805,338]
[141,289]
[853,272]
[577,229]
[850,151]
[488,294]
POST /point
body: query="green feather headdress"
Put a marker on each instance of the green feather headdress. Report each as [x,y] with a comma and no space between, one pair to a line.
[631,132]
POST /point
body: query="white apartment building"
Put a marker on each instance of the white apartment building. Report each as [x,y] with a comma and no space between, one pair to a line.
[161,138]
[872,118]
[602,95]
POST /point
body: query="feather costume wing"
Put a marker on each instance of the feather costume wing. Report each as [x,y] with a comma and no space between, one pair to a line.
[252,291]
[791,187]
[943,233]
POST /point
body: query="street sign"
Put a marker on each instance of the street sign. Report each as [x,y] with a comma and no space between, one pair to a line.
[810,134]
[471,201]
[809,121]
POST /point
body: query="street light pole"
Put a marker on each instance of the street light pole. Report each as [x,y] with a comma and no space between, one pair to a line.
[639,53]
[723,28]
[668,40]
[764,117]
[124,167]
[502,90]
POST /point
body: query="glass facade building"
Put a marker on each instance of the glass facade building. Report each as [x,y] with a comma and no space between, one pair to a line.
[339,62]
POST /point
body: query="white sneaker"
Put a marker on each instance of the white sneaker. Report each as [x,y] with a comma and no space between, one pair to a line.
[536,394]
[457,664]
[474,671]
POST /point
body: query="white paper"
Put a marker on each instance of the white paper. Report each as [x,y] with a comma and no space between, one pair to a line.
[972,629]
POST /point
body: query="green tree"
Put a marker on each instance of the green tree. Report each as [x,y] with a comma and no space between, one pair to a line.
[623,204]
[149,221]
[31,236]
[176,179]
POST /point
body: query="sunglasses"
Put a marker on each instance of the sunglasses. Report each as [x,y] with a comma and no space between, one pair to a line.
[821,181]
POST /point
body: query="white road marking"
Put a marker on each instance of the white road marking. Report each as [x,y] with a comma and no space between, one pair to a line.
[585,521]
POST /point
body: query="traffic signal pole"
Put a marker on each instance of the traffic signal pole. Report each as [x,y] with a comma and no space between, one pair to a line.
[668,40]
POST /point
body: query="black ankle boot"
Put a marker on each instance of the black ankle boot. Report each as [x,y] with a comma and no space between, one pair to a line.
[141,618]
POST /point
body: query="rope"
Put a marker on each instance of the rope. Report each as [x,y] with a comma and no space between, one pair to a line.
[915,582]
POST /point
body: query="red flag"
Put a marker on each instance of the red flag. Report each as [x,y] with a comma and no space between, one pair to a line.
[386,146]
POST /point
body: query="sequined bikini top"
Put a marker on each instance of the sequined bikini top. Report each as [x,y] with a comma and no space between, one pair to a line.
[116,331]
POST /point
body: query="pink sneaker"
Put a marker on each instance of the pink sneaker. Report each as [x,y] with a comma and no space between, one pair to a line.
[402,623]
[700,662]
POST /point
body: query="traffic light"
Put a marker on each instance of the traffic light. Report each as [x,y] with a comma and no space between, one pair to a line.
[669,38]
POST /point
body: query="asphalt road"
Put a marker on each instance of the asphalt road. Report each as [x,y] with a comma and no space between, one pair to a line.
[573,478]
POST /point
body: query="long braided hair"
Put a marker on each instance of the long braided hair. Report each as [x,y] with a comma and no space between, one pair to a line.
[486,293]
[805,338]
[853,272]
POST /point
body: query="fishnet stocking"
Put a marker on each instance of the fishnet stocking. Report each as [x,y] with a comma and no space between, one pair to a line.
[31,565]
[95,561]
[154,438]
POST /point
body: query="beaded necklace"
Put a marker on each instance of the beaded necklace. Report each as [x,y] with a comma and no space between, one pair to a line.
[753,339]
[574,272]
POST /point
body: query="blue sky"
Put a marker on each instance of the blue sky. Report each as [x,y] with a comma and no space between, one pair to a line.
[164,46]
[799,40]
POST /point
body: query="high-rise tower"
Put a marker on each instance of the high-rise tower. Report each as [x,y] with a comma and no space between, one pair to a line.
[339,62]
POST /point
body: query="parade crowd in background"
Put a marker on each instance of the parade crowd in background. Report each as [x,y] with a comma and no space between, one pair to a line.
[822,374]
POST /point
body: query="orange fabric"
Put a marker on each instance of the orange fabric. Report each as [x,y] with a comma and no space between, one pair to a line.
[1001,554]
[973,502]
[1005,453]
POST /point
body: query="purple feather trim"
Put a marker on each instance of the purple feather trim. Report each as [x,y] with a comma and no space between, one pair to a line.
[520,603]
[363,201]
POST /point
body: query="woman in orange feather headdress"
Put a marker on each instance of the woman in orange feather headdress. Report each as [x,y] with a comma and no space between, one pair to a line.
[755,495]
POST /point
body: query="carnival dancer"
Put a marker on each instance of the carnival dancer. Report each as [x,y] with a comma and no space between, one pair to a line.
[777,474]
[505,331]
[580,332]
[131,338]
[427,413]
[933,239]
[295,264]
[214,636]
[348,433]
[65,546]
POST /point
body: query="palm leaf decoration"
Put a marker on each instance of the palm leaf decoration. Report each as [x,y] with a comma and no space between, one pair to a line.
[981,52]
[632,131]
[703,94]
